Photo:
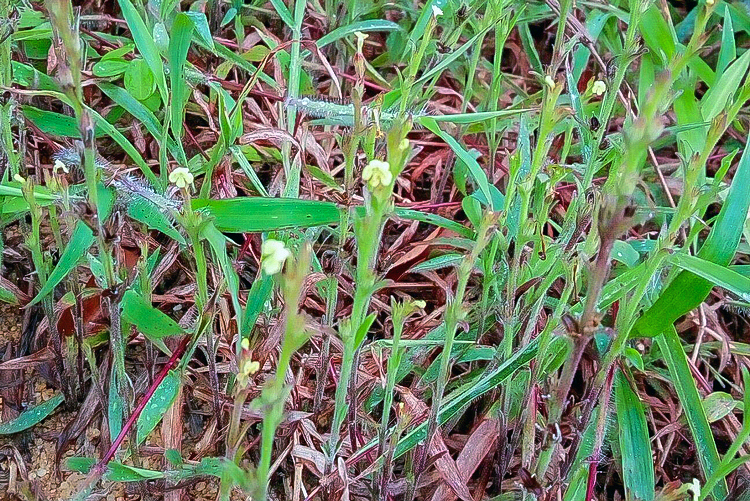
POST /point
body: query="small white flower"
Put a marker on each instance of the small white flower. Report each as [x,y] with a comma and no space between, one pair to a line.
[19,178]
[549,81]
[60,166]
[181,176]
[273,254]
[437,11]
[599,87]
[377,173]
[250,367]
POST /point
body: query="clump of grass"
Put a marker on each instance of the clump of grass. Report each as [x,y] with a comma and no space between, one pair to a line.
[531,243]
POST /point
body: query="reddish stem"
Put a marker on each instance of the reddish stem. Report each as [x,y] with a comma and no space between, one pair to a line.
[171,363]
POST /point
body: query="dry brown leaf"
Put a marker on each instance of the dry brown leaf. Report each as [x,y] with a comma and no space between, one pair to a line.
[480,443]
[447,468]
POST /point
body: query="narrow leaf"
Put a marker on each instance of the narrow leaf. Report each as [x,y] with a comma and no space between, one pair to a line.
[32,416]
[147,319]
[79,244]
[157,405]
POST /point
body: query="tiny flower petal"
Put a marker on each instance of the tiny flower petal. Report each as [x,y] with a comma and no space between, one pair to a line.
[377,173]
[437,11]
[695,487]
[181,176]
[599,88]
[273,255]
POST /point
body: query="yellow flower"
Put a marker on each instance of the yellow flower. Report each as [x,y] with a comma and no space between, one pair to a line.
[599,88]
[273,254]
[377,173]
[181,176]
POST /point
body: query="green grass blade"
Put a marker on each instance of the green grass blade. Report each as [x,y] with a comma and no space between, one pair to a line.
[464,395]
[728,50]
[179,44]
[717,97]
[258,214]
[469,118]
[80,242]
[362,26]
[716,274]
[708,455]
[479,176]
[635,447]
[688,290]
[453,55]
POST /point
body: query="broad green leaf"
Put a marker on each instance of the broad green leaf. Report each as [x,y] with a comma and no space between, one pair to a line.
[143,210]
[55,124]
[658,34]
[201,27]
[625,253]
[81,465]
[139,80]
[635,446]
[718,405]
[146,45]
[158,404]
[32,416]
[80,242]
[13,201]
[703,438]
[151,322]
[258,214]
[107,68]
